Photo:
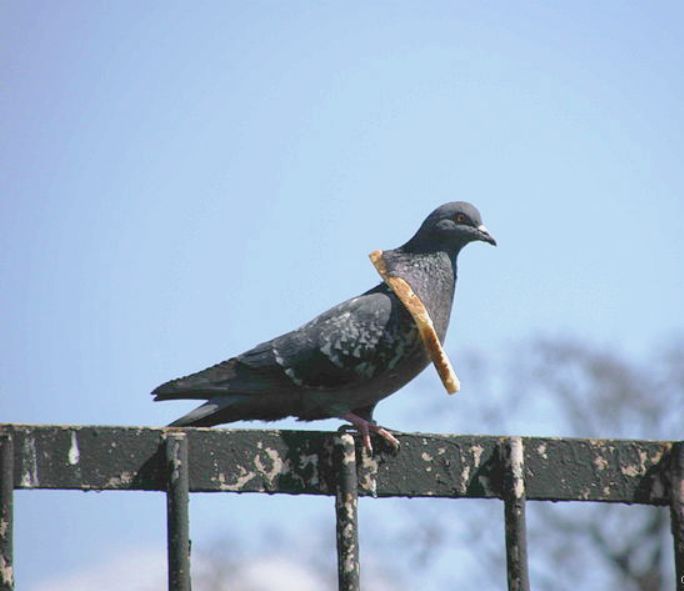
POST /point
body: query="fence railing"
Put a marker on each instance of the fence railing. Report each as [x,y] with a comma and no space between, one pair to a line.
[181,461]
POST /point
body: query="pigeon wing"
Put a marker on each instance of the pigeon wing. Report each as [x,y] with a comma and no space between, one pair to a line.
[350,343]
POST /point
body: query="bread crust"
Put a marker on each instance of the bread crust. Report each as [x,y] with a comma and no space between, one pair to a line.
[421,317]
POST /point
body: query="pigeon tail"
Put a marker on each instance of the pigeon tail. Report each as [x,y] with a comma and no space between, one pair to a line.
[212,412]
[228,408]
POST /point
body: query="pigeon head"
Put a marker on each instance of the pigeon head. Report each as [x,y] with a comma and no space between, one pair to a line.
[450,227]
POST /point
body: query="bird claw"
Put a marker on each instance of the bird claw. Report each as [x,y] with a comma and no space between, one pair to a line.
[364,428]
[387,436]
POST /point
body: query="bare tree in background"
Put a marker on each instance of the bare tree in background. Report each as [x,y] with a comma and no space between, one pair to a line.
[551,387]
[561,387]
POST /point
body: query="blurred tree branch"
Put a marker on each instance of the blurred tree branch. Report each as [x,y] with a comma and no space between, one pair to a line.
[552,386]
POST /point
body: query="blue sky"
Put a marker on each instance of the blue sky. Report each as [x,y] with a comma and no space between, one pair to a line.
[180,182]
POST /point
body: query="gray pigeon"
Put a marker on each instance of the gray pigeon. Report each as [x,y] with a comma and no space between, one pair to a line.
[343,362]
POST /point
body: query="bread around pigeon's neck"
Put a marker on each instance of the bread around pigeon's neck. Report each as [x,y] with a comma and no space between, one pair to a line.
[432,276]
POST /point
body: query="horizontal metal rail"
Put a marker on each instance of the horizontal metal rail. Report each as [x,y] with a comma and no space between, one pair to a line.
[302,462]
[179,461]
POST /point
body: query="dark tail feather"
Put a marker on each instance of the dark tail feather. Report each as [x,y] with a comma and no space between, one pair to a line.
[212,412]
[238,407]
[174,390]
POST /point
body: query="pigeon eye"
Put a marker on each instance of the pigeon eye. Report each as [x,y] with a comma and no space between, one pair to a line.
[461,218]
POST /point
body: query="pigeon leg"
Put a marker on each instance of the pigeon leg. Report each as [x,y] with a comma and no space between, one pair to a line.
[364,427]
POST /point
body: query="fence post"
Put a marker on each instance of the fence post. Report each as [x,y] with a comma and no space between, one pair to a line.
[514,512]
[346,512]
[6,512]
[177,498]
[677,508]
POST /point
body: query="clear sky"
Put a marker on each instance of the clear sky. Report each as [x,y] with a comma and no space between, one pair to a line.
[181,181]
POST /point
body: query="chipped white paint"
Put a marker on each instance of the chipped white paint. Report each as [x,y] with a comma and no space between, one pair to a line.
[639,469]
[632,470]
[426,456]
[657,456]
[517,467]
[123,479]
[29,477]
[306,460]
[6,573]
[278,467]
[369,473]
[465,478]
[601,463]
[73,456]
[244,477]
[349,456]
[541,450]
[477,451]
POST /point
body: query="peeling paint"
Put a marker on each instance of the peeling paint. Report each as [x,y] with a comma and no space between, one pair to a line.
[239,483]
[465,478]
[432,466]
[601,463]
[656,457]
[517,463]
[29,477]
[541,450]
[349,455]
[6,573]
[477,451]
[633,470]
[368,474]
[306,460]
[73,456]
[120,481]
[278,467]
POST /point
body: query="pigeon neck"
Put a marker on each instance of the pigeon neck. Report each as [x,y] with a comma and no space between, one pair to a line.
[420,246]
[432,276]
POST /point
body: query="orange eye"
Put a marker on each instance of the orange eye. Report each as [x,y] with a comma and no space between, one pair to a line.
[460,218]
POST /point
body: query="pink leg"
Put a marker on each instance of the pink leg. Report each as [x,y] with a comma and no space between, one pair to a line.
[365,427]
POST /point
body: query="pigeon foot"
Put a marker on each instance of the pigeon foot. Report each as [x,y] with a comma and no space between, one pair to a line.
[364,427]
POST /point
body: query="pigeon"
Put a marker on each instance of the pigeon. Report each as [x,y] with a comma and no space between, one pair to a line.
[347,359]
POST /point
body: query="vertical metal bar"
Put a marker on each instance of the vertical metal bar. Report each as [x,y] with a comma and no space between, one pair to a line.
[514,511]
[346,511]
[6,512]
[677,509]
[177,522]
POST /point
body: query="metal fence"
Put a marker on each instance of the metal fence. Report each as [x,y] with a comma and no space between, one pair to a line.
[180,461]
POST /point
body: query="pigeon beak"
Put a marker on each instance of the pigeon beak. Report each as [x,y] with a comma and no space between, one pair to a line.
[485,236]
